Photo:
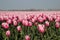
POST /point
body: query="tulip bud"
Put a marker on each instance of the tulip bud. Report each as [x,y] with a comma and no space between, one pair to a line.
[29,23]
[25,22]
[50,18]
[5,17]
[33,20]
[5,25]
[19,28]
[40,19]
[27,37]
[41,28]
[8,33]
[57,19]
[57,25]
[9,21]
[15,23]
[46,23]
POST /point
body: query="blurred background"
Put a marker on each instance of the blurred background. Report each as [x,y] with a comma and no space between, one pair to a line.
[30,4]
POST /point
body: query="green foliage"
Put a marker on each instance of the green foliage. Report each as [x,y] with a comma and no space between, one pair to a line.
[51,33]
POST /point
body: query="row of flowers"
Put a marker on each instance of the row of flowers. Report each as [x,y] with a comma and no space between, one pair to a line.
[41,21]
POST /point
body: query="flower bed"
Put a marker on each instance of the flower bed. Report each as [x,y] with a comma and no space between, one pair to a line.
[30,27]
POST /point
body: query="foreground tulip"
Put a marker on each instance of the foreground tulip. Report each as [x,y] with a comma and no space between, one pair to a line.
[25,22]
[57,25]
[8,33]
[9,21]
[29,23]
[19,28]
[15,23]
[27,37]
[41,28]
[5,25]
[46,23]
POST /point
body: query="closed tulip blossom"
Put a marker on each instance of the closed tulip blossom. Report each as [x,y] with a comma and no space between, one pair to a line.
[5,17]
[33,20]
[40,19]
[57,25]
[9,21]
[5,25]
[8,33]
[57,19]
[25,22]
[15,23]
[29,23]
[50,18]
[46,23]
[19,28]
[27,37]
[41,28]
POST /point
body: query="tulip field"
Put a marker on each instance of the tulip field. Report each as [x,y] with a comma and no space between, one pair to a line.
[29,25]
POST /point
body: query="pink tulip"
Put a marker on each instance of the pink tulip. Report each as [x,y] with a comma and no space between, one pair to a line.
[40,19]
[25,22]
[1,18]
[29,17]
[9,21]
[57,25]
[15,23]
[20,19]
[46,23]
[33,20]
[27,37]
[29,23]
[57,19]
[50,18]
[15,19]
[5,25]
[19,28]
[41,28]
[10,17]
[5,17]
[8,33]
[44,17]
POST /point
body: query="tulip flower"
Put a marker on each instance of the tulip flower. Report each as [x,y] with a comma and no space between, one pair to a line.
[5,17]
[46,23]
[15,23]
[27,37]
[41,28]
[57,25]
[40,19]
[19,28]
[5,25]
[25,22]
[29,23]
[9,21]
[50,18]
[8,33]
